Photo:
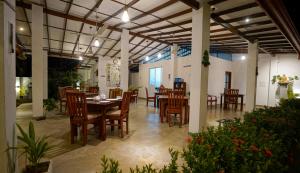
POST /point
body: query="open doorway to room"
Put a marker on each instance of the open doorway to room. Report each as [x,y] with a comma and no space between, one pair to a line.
[155,75]
[227,80]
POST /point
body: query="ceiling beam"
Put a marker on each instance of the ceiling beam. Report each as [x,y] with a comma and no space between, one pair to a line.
[251,16]
[156,52]
[146,53]
[167,26]
[214,2]
[266,22]
[48,35]
[141,49]
[163,19]
[237,9]
[279,15]
[87,21]
[140,42]
[231,28]
[65,25]
[192,3]
[26,18]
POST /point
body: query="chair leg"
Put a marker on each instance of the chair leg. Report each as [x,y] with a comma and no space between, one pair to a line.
[180,123]
[127,127]
[147,102]
[60,106]
[84,135]
[73,133]
[121,126]
[112,125]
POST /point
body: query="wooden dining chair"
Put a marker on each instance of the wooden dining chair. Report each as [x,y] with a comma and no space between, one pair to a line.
[231,98]
[175,107]
[134,95]
[62,96]
[212,99]
[179,92]
[79,117]
[120,115]
[118,92]
[149,98]
[94,89]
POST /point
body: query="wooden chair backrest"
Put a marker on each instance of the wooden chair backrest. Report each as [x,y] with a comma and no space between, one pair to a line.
[179,91]
[164,91]
[93,89]
[232,95]
[175,101]
[62,91]
[113,93]
[76,103]
[147,93]
[125,103]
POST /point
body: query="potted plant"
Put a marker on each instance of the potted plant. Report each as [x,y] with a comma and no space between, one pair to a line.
[22,92]
[49,105]
[285,86]
[35,148]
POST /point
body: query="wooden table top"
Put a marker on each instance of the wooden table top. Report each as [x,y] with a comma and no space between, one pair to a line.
[166,97]
[102,102]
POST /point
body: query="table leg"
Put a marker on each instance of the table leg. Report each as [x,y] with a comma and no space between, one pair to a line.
[242,102]
[186,113]
[161,112]
[103,125]
[155,98]
[221,101]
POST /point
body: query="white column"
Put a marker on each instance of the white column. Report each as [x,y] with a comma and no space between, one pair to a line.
[124,59]
[174,48]
[101,76]
[37,60]
[199,75]
[251,76]
[7,82]
[45,73]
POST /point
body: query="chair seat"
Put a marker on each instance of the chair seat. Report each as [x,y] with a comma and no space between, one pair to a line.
[174,111]
[92,116]
[114,113]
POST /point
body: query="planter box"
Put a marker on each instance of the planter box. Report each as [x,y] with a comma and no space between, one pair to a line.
[44,167]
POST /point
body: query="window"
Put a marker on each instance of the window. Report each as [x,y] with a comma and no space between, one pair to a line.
[155,77]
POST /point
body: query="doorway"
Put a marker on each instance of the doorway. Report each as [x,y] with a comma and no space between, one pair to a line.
[227,80]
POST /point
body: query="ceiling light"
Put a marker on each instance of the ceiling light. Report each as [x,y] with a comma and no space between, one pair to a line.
[159,55]
[125,16]
[147,58]
[247,20]
[21,29]
[97,43]
[80,58]
[243,57]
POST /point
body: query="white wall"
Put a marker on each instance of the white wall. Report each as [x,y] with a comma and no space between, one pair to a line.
[216,74]
[280,64]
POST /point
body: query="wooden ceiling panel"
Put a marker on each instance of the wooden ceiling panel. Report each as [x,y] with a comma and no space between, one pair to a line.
[56,5]
[109,7]
[78,11]
[171,9]
[73,25]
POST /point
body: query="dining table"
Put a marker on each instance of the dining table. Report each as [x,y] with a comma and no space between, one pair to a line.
[101,107]
[241,96]
[163,103]
[156,96]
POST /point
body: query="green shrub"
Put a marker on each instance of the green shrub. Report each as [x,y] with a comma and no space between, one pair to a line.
[266,141]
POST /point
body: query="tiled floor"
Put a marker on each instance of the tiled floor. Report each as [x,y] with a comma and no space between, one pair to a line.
[148,140]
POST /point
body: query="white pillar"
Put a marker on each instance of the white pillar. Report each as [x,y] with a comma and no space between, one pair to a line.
[7,83]
[101,76]
[45,74]
[174,48]
[199,75]
[124,59]
[37,60]
[251,76]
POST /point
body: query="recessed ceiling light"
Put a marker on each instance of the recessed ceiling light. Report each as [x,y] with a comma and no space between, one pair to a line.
[159,55]
[243,57]
[80,58]
[147,58]
[21,29]
[97,43]
[247,20]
